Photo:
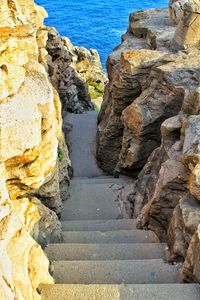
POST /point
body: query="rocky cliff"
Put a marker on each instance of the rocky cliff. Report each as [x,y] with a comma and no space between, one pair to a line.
[149,125]
[75,72]
[33,156]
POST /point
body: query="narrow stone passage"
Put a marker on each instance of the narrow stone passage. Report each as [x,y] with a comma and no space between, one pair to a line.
[103,256]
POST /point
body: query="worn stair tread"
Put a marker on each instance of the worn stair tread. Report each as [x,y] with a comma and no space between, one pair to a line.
[101,180]
[121,236]
[115,272]
[105,251]
[120,292]
[91,202]
[99,225]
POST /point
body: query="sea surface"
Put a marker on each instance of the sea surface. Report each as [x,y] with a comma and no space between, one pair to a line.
[96,24]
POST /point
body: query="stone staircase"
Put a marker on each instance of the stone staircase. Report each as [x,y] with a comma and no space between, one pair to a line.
[103,256]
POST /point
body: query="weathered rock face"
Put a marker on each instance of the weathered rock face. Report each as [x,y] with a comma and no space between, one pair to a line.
[72,70]
[138,84]
[31,144]
[185,221]
[191,266]
[149,125]
[188,28]
[23,265]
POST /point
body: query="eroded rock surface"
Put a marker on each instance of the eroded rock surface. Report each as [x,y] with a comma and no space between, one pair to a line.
[149,125]
[75,72]
[32,152]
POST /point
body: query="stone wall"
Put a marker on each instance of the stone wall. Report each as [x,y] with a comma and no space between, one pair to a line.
[149,126]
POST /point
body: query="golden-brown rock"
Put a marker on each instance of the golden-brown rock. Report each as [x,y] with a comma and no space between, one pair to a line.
[188,30]
[30,133]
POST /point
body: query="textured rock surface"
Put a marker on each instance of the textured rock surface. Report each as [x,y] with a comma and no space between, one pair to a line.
[188,29]
[149,125]
[72,69]
[185,221]
[33,156]
[191,267]
[137,83]
[23,265]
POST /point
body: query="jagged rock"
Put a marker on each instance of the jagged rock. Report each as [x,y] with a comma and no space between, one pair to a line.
[48,229]
[23,265]
[191,267]
[145,125]
[72,88]
[153,25]
[30,126]
[64,172]
[191,153]
[175,9]
[170,186]
[72,69]
[188,29]
[185,221]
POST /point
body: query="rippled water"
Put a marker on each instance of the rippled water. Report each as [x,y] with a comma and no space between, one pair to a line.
[94,24]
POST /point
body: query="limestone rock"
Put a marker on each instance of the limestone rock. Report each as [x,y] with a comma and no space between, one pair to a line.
[148,125]
[72,70]
[30,133]
[188,29]
[153,25]
[72,88]
[48,229]
[23,265]
[175,9]
[191,268]
[191,153]
[185,221]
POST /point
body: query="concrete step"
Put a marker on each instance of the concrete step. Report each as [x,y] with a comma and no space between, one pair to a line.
[101,180]
[91,202]
[120,292]
[110,237]
[115,272]
[105,251]
[99,225]
[82,142]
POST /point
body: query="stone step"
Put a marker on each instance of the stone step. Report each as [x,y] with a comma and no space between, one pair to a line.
[120,292]
[99,225]
[115,272]
[105,251]
[91,202]
[100,180]
[110,237]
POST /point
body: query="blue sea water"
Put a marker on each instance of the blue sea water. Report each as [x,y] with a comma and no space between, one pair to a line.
[96,24]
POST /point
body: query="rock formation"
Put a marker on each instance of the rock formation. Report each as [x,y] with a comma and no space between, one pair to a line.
[149,126]
[188,28]
[33,156]
[75,72]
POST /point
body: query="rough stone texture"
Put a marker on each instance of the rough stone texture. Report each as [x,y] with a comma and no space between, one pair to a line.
[149,125]
[143,80]
[185,221]
[23,265]
[188,29]
[191,153]
[72,69]
[191,267]
[31,142]
[168,185]
[153,25]
[175,10]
